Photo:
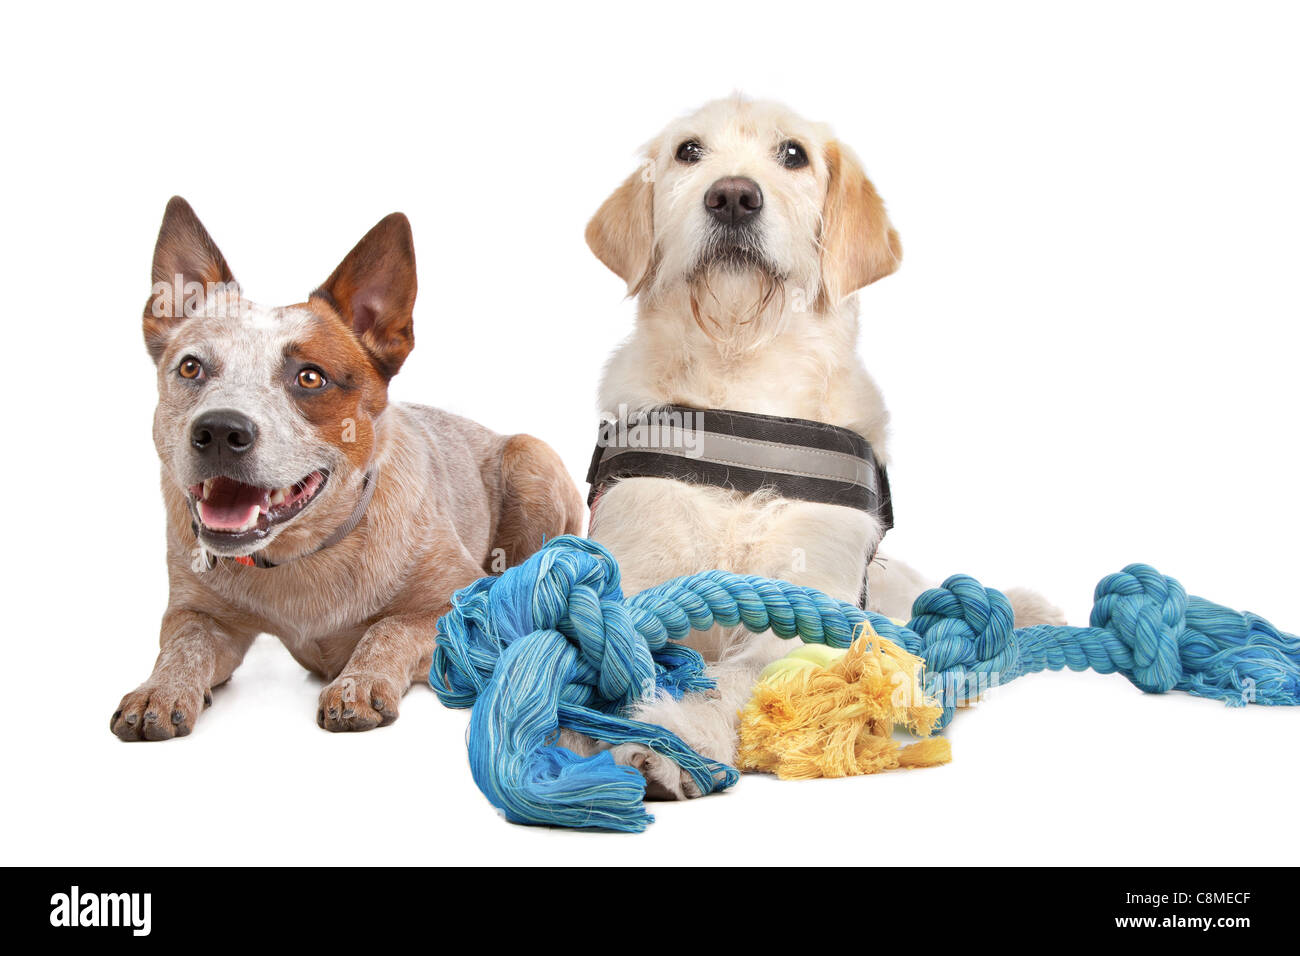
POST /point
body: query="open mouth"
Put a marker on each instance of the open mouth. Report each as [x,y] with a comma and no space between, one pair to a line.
[232,511]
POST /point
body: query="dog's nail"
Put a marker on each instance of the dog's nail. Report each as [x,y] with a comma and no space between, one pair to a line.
[130,719]
[376,703]
[320,717]
[349,713]
[116,714]
[150,716]
[177,717]
[207,698]
[334,713]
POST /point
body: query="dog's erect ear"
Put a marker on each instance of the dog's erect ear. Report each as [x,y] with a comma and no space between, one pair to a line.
[187,265]
[858,244]
[621,234]
[373,289]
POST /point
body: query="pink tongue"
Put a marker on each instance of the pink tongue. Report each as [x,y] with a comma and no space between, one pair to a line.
[231,504]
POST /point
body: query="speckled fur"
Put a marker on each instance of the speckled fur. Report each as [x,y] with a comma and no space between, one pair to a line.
[452,502]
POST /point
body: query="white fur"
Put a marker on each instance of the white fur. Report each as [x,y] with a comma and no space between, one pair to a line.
[793,358]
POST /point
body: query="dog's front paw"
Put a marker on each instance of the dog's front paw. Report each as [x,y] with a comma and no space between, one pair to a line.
[358,701]
[664,780]
[159,711]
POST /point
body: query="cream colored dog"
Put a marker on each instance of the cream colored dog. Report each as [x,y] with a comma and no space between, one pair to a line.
[744,237]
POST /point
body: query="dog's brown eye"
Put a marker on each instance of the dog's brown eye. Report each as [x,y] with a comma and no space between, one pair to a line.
[690,152]
[190,367]
[311,378]
[791,155]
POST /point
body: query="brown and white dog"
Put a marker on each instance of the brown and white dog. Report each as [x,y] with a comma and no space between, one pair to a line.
[744,237]
[300,502]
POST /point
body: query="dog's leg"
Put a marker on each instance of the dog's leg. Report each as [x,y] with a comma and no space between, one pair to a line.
[894,585]
[198,653]
[539,500]
[397,650]
[1031,608]
[393,653]
[709,723]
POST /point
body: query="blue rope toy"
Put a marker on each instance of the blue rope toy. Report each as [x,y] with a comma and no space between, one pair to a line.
[553,643]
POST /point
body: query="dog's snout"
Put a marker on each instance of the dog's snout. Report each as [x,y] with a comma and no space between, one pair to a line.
[223,432]
[733,199]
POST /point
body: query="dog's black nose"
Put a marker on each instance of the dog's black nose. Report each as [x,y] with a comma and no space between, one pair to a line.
[222,432]
[733,199]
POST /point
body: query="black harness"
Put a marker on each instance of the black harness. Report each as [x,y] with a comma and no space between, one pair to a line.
[741,451]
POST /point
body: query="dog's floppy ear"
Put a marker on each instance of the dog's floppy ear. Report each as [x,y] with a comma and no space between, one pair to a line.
[858,244]
[373,289]
[186,265]
[621,234]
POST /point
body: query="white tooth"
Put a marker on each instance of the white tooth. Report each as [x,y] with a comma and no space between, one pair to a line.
[207,487]
[277,497]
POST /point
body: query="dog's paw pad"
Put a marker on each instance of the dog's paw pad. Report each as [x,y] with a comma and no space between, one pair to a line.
[158,712]
[359,701]
[664,780]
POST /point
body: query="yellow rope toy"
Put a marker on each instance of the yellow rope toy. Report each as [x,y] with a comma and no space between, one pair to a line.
[823,712]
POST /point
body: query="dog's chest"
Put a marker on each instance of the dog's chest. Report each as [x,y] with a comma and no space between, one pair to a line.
[659,528]
[318,607]
[765,383]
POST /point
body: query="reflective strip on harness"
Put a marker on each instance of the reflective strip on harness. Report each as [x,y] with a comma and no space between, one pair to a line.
[745,452]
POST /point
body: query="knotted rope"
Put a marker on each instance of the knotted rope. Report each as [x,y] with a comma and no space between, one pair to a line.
[553,643]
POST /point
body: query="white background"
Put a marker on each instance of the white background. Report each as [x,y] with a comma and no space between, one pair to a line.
[1090,354]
